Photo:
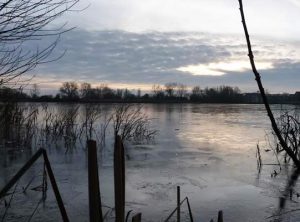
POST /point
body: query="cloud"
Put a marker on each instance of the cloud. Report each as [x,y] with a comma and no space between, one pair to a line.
[295,2]
[120,57]
[265,18]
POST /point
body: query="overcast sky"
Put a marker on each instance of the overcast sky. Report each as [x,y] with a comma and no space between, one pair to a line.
[137,43]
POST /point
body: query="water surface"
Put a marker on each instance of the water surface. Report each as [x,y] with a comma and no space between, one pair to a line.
[207,149]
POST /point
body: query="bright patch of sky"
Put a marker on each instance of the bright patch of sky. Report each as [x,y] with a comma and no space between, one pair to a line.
[221,68]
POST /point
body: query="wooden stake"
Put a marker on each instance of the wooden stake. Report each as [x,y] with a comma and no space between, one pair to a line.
[220,216]
[178,203]
[137,217]
[119,179]
[94,190]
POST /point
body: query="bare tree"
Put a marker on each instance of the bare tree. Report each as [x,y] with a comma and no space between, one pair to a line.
[69,90]
[139,93]
[196,91]
[170,88]
[35,91]
[157,91]
[85,90]
[27,21]
[181,90]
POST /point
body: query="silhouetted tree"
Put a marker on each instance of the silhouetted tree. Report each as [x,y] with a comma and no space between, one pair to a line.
[196,91]
[85,90]
[107,92]
[12,95]
[24,21]
[296,97]
[181,90]
[139,93]
[196,94]
[170,88]
[157,91]
[128,95]
[35,91]
[221,94]
[146,96]
[104,92]
[69,90]
[119,93]
[87,93]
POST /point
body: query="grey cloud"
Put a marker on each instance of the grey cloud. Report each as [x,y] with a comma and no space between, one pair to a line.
[118,52]
[152,58]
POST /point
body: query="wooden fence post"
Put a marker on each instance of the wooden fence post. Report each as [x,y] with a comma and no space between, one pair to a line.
[119,179]
[178,203]
[94,190]
[220,216]
[137,217]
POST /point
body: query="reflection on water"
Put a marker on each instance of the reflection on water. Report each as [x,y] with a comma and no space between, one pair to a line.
[207,149]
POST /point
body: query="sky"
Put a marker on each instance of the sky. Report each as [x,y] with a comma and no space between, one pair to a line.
[137,43]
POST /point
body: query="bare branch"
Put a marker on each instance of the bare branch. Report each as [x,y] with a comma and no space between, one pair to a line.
[24,21]
[276,130]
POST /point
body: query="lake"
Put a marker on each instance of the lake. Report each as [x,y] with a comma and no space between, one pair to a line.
[207,149]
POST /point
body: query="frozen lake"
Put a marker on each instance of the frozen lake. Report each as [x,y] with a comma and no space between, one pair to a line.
[207,149]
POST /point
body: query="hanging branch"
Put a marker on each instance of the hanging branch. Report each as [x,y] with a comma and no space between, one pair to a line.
[283,144]
[24,23]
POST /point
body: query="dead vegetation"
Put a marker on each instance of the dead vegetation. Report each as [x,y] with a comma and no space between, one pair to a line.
[18,124]
[69,125]
[289,126]
[131,123]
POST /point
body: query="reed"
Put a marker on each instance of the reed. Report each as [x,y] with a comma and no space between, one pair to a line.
[132,124]
[18,124]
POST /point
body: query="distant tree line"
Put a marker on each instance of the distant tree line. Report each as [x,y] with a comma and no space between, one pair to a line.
[170,92]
